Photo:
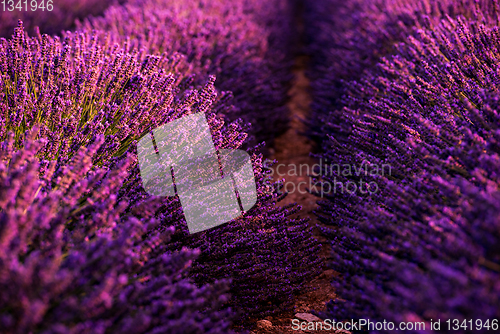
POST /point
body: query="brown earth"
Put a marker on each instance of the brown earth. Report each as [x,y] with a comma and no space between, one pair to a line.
[294,148]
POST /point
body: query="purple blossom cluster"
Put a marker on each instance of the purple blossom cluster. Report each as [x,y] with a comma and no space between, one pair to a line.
[118,259]
[243,43]
[426,246]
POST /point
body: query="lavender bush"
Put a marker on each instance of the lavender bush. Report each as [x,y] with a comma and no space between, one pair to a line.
[426,245]
[345,38]
[238,41]
[80,89]
[76,257]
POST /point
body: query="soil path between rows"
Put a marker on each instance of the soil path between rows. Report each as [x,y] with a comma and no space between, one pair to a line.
[293,148]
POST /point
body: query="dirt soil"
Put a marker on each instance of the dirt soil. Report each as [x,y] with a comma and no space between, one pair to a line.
[294,148]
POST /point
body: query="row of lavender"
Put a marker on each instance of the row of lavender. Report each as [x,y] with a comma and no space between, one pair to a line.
[243,43]
[413,85]
[83,249]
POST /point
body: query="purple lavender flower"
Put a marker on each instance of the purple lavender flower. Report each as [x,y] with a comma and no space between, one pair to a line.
[78,258]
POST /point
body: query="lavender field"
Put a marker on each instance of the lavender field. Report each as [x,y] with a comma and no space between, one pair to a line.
[373,131]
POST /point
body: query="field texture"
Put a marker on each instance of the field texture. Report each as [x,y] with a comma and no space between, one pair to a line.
[400,97]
